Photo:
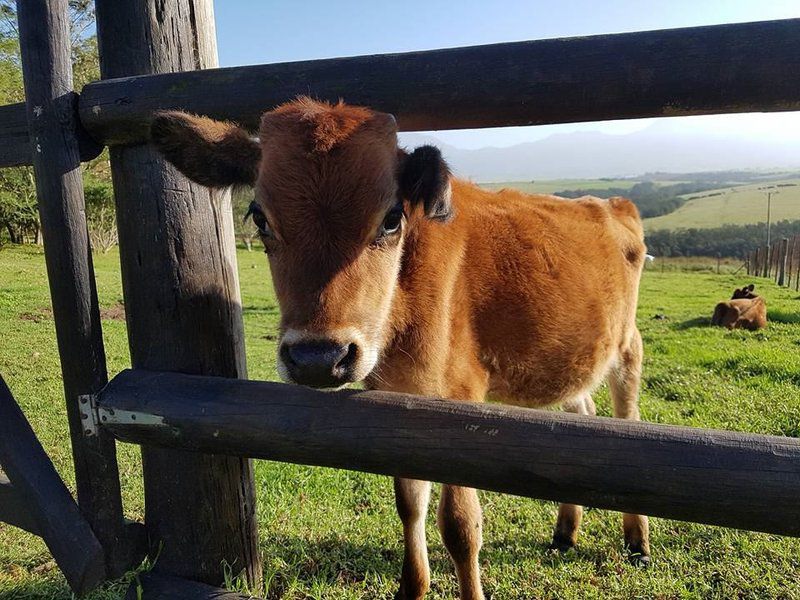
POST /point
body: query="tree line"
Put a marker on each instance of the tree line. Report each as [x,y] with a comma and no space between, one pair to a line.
[652,199]
[728,240]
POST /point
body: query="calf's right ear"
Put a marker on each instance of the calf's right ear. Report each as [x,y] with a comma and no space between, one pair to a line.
[425,180]
[213,153]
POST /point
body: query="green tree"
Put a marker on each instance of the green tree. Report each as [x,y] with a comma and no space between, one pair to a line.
[18,213]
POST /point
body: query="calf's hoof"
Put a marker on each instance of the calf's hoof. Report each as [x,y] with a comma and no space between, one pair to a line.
[639,559]
[405,594]
[561,543]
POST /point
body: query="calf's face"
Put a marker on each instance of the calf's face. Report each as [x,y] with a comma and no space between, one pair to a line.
[334,200]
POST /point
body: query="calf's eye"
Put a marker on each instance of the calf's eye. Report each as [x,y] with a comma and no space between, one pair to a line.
[259,218]
[392,222]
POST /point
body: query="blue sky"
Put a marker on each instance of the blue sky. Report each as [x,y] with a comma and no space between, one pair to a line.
[265,31]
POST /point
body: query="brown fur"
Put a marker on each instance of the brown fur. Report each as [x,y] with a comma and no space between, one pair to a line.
[745,310]
[528,298]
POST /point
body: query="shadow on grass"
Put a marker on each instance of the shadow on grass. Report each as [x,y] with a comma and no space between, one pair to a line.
[783,316]
[262,310]
[692,323]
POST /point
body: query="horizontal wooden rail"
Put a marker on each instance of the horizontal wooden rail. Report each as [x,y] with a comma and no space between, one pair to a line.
[701,70]
[715,477]
[13,509]
[15,143]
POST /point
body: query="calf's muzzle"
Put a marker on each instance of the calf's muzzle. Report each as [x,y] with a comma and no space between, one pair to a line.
[320,363]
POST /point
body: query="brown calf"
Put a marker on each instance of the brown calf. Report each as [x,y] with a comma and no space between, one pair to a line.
[745,310]
[389,270]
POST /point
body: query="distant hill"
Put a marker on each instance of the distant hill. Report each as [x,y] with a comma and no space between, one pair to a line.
[741,205]
[657,148]
[671,200]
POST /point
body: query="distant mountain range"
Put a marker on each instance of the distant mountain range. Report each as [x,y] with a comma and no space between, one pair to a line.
[594,154]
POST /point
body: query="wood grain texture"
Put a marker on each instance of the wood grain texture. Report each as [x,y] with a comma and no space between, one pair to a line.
[14,510]
[15,141]
[52,121]
[154,586]
[39,488]
[715,477]
[182,300]
[701,70]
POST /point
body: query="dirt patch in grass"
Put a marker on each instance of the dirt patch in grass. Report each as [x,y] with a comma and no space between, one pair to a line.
[113,313]
[37,316]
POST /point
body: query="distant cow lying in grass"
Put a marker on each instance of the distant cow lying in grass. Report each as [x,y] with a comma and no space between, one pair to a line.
[391,271]
[745,310]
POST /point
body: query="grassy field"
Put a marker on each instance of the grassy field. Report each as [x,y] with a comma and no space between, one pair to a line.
[558,185]
[328,534]
[738,205]
[733,206]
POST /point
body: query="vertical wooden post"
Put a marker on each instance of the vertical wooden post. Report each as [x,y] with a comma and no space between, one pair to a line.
[783,254]
[765,271]
[182,301]
[797,250]
[53,125]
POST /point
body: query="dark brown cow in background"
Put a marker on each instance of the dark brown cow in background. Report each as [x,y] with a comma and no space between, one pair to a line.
[745,310]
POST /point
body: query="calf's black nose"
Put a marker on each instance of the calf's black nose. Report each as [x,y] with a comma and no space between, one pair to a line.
[320,363]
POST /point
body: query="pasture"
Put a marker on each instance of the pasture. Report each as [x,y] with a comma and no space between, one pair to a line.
[330,534]
[738,205]
[557,185]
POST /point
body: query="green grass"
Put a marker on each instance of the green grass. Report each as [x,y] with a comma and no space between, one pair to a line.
[334,534]
[740,205]
[558,185]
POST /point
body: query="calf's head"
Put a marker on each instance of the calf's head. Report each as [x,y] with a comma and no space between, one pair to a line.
[744,292]
[334,201]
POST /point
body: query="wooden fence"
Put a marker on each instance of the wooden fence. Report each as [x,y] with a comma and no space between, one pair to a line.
[779,261]
[184,313]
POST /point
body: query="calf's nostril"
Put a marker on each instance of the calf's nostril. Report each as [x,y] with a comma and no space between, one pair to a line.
[348,358]
[286,355]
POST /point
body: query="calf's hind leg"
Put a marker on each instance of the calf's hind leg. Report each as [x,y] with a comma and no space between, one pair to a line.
[565,535]
[624,387]
[461,522]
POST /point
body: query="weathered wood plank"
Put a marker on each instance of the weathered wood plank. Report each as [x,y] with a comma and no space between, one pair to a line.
[52,121]
[716,477]
[15,142]
[38,486]
[154,586]
[181,298]
[701,70]
[13,509]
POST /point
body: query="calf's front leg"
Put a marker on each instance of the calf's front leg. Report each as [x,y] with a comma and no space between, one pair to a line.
[412,497]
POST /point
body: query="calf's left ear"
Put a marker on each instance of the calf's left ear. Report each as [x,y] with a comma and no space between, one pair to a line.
[213,153]
[425,179]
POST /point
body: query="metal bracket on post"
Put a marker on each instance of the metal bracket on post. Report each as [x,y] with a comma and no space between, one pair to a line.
[88,411]
[94,416]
